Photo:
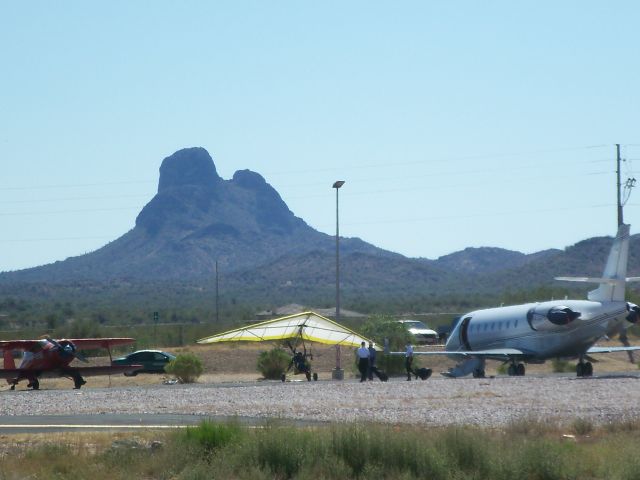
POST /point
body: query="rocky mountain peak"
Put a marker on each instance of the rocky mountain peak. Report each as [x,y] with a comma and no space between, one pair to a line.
[250,180]
[189,166]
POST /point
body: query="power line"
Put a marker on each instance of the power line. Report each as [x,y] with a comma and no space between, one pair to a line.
[483,184]
[478,215]
[377,222]
[67,199]
[76,185]
[52,239]
[403,189]
[442,160]
[361,166]
[59,212]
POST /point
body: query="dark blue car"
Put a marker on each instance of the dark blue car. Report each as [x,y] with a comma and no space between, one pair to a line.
[152,361]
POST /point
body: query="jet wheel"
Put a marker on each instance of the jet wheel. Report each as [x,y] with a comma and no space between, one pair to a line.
[283,377]
[315,376]
[588,369]
[584,369]
[478,373]
[520,370]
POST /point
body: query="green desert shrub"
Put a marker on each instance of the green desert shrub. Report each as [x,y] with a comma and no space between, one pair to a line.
[212,436]
[186,367]
[582,426]
[273,363]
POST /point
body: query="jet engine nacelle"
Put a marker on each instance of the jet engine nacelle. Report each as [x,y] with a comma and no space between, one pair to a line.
[634,313]
[552,318]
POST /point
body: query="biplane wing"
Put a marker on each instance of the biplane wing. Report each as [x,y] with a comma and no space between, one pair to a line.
[308,326]
[12,373]
[80,343]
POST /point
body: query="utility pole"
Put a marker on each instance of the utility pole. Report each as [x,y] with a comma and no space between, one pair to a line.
[620,219]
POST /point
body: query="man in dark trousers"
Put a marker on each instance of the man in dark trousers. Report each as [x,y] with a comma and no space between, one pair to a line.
[363,361]
[408,360]
[372,362]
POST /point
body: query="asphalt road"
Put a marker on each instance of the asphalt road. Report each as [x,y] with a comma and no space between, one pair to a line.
[13,424]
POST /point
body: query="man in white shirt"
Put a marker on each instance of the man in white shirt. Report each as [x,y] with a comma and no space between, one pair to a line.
[363,361]
[408,360]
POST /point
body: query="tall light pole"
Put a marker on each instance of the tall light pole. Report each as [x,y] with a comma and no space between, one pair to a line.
[338,373]
[217,297]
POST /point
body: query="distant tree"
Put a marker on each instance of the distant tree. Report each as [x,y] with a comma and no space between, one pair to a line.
[382,327]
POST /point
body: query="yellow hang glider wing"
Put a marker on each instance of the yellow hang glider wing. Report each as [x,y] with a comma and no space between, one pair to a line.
[308,326]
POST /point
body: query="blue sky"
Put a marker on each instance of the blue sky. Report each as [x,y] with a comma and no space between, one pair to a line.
[454,124]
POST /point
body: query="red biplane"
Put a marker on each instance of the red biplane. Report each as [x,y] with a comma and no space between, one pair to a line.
[47,357]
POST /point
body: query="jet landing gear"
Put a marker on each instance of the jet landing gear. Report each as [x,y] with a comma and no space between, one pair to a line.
[516,370]
[584,369]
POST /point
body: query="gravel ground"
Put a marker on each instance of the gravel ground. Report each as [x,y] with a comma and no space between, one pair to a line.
[438,401]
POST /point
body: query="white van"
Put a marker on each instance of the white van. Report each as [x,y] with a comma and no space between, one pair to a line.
[420,331]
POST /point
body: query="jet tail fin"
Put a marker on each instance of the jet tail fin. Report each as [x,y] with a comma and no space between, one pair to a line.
[614,278]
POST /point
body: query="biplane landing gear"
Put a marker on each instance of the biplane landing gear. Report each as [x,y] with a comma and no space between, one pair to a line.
[315,377]
[78,381]
[308,375]
[34,384]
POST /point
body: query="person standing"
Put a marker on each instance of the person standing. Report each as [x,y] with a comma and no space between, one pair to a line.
[408,360]
[372,362]
[363,361]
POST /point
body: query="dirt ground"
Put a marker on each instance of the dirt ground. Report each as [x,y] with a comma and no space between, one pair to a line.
[237,363]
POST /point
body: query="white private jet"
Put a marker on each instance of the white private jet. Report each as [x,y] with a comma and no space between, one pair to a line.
[536,332]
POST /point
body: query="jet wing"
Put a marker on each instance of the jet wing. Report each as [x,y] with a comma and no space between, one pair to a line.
[496,353]
[308,326]
[612,349]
